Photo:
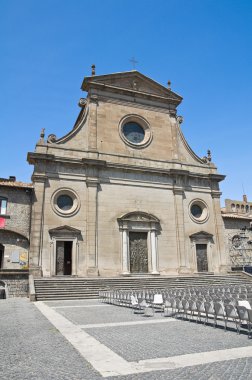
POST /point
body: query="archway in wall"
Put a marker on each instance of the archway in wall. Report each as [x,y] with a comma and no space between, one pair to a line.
[139,243]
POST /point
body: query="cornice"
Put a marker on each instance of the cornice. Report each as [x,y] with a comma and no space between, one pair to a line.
[135,93]
[42,178]
[33,157]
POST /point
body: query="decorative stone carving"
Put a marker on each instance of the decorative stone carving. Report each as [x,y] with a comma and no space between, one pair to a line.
[51,138]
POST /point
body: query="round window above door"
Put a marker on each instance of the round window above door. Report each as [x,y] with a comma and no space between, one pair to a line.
[65,202]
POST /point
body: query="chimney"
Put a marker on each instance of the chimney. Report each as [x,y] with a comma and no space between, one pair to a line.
[245,198]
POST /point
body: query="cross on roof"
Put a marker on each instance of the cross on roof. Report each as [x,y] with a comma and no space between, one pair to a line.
[134,62]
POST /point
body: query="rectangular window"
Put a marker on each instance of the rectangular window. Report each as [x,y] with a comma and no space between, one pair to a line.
[3,206]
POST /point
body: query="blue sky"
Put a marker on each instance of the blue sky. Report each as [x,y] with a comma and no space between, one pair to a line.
[202,46]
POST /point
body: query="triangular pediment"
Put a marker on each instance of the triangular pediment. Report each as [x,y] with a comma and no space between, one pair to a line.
[201,235]
[64,230]
[133,81]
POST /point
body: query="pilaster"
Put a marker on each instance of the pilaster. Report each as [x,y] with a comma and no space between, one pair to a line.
[92,226]
[180,229]
[219,232]
[37,225]
[92,123]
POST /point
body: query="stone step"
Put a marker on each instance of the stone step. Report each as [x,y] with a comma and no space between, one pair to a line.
[84,288]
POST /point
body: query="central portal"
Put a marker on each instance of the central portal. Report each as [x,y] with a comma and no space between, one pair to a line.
[138,252]
[64,258]
[201,254]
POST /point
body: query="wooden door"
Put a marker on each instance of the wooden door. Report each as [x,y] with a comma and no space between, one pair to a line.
[138,252]
[201,254]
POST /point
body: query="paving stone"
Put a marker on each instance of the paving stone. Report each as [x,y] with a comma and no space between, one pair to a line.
[33,349]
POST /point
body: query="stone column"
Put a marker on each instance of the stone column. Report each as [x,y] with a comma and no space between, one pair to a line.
[125,252]
[180,230]
[153,250]
[36,236]
[219,233]
[92,226]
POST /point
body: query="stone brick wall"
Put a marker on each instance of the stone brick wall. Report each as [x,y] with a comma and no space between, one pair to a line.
[18,208]
[17,283]
[14,236]
[233,227]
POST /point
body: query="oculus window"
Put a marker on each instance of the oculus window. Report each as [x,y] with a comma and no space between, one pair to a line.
[135,131]
[198,211]
[65,202]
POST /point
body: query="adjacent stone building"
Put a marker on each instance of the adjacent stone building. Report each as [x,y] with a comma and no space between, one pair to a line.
[15,215]
[237,217]
[122,193]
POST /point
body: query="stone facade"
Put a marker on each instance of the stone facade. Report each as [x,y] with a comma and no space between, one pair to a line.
[122,193]
[237,217]
[15,214]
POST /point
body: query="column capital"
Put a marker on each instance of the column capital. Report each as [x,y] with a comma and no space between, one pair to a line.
[92,182]
[178,190]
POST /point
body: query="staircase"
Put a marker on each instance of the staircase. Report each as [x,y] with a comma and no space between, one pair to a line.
[67,288]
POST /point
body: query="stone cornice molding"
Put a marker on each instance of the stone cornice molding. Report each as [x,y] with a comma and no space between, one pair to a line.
[92,182]
[135,93]
[178,190]
[93,162]
[33,157]
[216,194]
[42,178]
[217,177]
[124,102]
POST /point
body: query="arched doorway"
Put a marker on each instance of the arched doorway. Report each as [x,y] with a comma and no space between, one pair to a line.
[139,243]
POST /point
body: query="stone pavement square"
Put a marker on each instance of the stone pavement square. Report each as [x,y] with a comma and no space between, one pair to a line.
[88,340]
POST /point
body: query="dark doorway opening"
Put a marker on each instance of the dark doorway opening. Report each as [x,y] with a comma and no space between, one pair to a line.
[138,252]
[64,258]
[1,256]
[201,254]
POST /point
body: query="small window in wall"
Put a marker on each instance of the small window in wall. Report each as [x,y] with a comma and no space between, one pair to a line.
[3,206]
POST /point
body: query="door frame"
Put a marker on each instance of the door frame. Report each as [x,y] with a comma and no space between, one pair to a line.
[64,258]
[64,233]
[148,251]
[202,238]
[139,222]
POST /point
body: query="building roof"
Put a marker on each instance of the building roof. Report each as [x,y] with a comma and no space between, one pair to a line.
[11,182]
[234,215]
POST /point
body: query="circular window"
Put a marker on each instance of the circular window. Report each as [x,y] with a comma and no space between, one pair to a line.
[65,202]
[198,211]
[135,131]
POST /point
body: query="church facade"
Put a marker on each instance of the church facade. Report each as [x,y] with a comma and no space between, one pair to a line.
[123,193]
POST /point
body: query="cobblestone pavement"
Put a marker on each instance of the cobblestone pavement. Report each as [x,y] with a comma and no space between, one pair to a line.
[33,348]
